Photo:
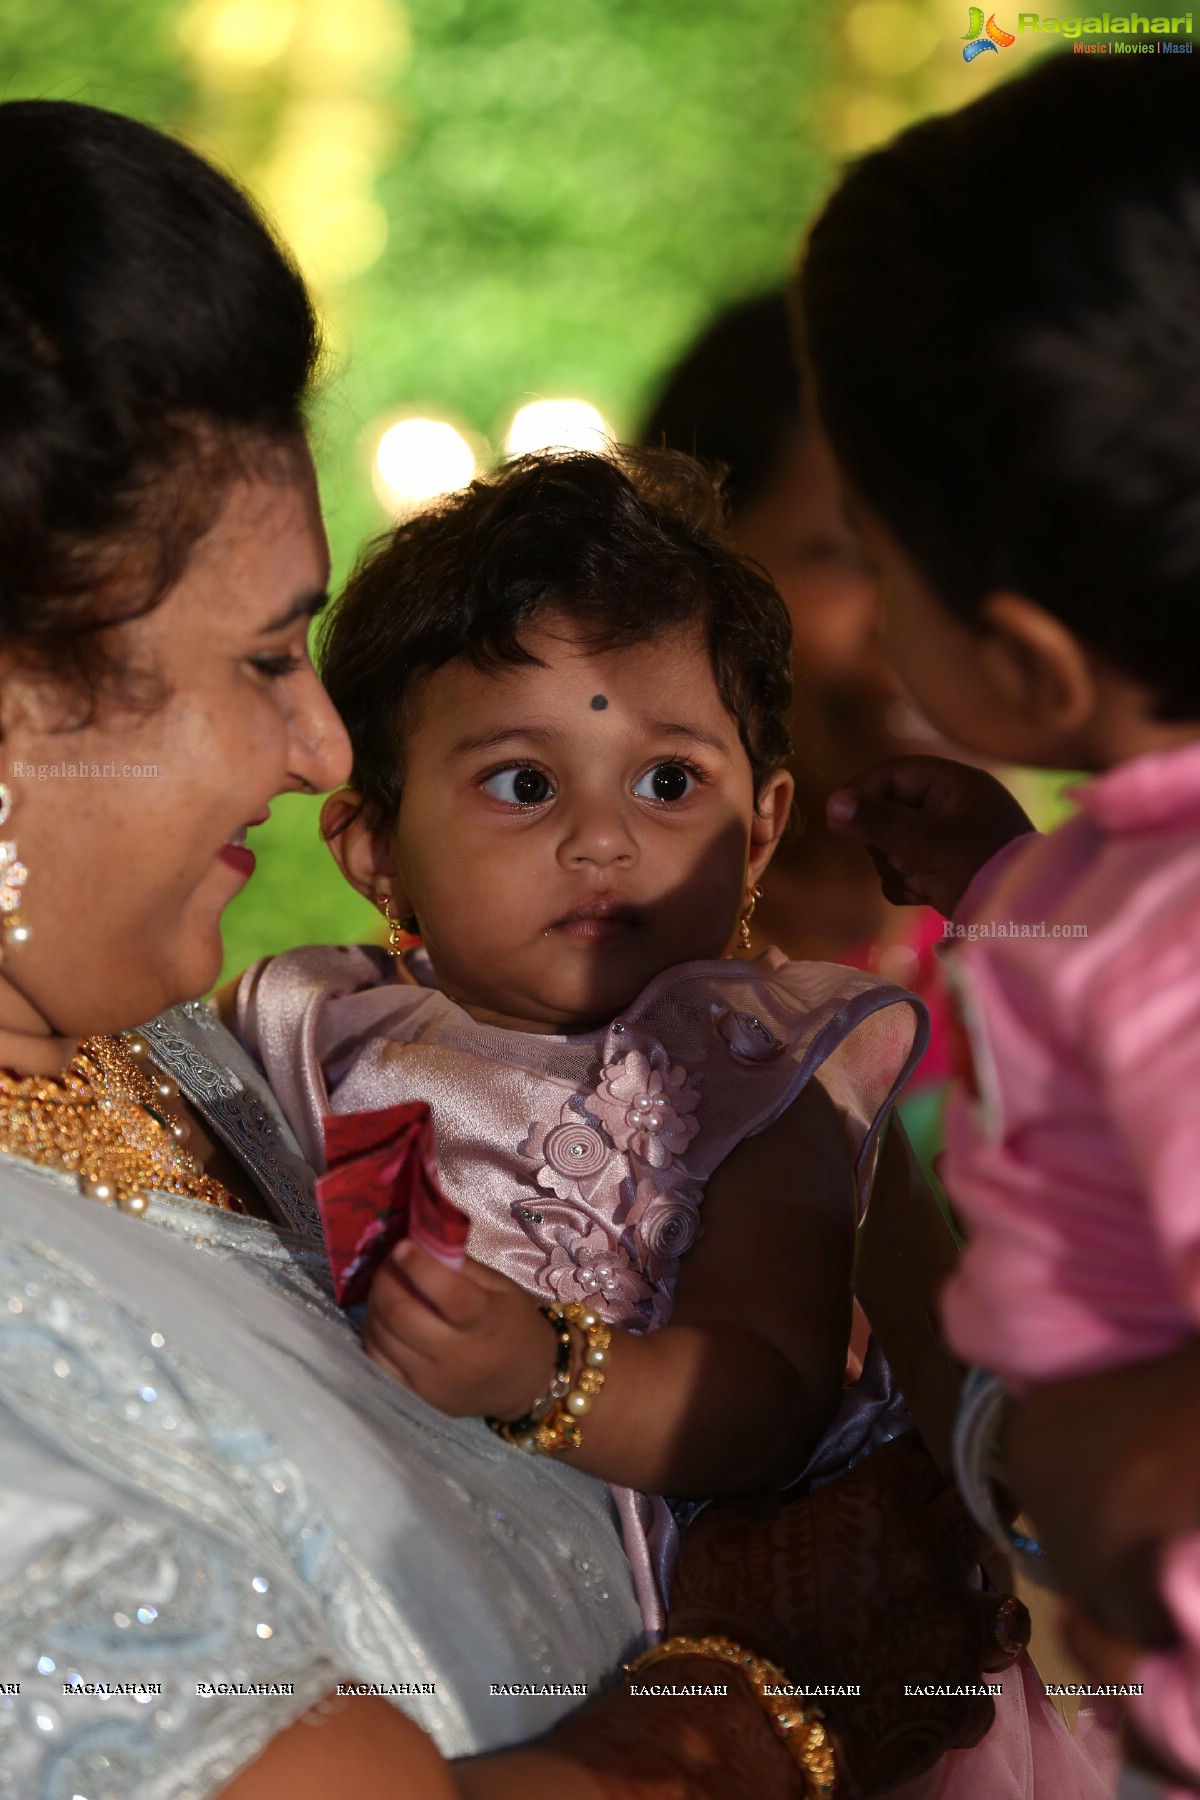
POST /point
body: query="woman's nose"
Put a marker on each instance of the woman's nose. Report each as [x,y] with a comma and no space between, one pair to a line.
[319,757]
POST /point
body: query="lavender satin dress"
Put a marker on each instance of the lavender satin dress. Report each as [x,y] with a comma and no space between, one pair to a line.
[582,1160]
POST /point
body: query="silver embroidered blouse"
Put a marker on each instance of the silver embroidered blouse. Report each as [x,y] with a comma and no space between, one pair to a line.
[213,1508]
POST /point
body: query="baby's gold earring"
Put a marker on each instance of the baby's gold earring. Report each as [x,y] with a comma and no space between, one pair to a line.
[396,931]
[14,932]
[747,915]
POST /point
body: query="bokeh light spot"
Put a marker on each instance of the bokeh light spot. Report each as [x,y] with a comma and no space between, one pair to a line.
[556,425]
[238,34]
[889,37]
[418,459]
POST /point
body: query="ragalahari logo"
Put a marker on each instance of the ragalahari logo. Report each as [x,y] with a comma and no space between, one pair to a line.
[980,37]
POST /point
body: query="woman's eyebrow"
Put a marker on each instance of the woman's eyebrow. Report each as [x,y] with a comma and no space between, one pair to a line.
[307,606]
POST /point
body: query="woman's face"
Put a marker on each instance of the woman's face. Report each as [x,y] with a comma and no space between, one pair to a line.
[850,705]
[796,530]
[132,826]
[936,655]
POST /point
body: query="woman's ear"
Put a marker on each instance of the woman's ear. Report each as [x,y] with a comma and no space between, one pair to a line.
[361,851]
[1038,669]
[771,812]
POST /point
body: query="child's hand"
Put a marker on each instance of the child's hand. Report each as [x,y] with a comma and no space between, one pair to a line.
[468,1341]
[928,825]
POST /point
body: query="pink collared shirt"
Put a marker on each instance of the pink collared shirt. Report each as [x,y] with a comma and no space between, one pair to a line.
[1076,1163]
[1077,1168]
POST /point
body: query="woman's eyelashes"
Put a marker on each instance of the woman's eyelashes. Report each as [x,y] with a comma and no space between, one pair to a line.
[280,663]
[521,785]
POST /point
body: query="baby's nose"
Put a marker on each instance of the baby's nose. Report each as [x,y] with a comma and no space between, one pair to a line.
[601,836]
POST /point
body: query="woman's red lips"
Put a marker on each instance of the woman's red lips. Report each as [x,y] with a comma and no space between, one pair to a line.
[238,857]
[235,852]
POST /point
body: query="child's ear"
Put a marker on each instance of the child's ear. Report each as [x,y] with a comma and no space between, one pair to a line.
[361,851]
[771,812]
[1038,669]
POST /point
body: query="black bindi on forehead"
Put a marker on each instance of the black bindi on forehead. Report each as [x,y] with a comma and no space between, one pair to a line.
[599,702]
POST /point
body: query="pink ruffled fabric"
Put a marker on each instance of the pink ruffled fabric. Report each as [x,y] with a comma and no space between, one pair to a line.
[1029,1754]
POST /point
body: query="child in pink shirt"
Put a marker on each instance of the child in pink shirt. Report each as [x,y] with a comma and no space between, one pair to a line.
[1013,395]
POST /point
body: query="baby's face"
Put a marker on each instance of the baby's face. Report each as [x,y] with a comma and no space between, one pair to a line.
[570,828]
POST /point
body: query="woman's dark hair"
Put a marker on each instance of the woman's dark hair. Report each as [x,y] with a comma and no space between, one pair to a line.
[733,400]
[1001,311]
[153,335]
[624,547]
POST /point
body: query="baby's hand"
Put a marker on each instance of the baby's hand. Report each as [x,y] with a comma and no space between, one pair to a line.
[928,825]
[468,1341]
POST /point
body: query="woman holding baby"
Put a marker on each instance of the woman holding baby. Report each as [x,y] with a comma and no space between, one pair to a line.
[211,1498]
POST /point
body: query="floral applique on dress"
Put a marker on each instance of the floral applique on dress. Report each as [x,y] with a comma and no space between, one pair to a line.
[629,1211]
[646,1106]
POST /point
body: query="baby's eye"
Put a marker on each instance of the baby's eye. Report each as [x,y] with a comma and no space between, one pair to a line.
[667,782]
[519,787]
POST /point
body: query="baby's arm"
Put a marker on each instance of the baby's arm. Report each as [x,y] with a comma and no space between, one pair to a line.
[733,1394]
[729,1397]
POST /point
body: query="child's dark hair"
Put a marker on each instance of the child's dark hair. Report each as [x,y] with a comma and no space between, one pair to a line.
[1001,313]
[624,546]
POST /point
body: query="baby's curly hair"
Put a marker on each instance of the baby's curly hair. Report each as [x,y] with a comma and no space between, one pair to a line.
[624,545]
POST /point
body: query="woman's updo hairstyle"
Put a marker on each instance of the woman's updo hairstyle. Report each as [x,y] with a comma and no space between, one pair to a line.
[154,341]
[1001,312]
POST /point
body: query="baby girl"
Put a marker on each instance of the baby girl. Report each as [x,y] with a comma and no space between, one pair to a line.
[567,697]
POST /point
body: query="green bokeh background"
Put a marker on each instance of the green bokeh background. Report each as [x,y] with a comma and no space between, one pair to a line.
[570,191]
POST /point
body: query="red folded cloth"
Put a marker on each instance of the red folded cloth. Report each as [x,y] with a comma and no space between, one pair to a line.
[380,1185]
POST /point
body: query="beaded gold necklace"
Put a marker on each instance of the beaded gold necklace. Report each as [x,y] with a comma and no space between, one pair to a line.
[102,1121]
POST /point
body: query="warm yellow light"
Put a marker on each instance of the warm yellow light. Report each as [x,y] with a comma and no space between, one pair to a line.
[318,186]
[855,122]
[349,41]
[238,35]
[418,459]
[889,37]
[335,237]
[556,425]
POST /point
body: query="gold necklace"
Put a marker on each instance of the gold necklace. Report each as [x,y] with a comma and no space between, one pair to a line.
[101,1120]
